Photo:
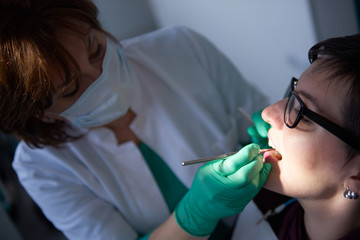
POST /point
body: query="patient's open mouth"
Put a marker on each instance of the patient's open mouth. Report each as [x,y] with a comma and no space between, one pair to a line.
[276,154]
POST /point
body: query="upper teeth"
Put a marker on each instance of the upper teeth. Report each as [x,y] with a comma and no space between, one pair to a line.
[271,144]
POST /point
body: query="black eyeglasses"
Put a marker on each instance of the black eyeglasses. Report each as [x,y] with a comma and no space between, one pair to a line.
[296,109]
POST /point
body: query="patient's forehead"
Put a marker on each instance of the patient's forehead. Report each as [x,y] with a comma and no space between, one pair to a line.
[327,90]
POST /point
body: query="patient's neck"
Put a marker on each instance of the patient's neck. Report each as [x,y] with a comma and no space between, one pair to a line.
[330,219]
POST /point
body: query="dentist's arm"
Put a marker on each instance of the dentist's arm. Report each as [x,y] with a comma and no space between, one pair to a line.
[171,230]
[220,188]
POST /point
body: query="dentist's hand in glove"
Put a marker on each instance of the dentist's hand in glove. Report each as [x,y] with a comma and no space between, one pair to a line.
[259,132]
[221,188]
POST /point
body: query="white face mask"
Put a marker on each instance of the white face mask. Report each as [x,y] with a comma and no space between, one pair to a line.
[109,96]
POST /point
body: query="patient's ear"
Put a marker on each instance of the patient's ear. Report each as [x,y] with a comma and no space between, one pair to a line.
[353,180]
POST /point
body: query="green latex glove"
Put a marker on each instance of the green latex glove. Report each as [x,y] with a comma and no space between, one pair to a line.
[259,132]
[221,188]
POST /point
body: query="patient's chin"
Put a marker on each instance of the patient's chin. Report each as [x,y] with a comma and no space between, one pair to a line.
[273,182]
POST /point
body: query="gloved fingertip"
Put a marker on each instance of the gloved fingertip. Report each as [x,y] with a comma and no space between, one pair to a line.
[263,129]
[219,167]
[251,130]
[254,146]
[254,150]
[257,114]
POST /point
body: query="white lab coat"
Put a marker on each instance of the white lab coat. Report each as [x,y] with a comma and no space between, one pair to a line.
[186,104]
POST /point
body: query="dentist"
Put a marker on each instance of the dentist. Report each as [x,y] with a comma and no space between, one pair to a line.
[104,125]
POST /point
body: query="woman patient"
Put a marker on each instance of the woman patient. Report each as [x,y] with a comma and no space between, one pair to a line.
[316,129]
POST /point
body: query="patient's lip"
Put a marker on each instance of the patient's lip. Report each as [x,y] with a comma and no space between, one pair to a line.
[276,154]
[272,152]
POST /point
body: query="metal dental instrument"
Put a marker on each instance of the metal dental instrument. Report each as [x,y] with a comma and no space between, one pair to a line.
[246,115]
[224,155]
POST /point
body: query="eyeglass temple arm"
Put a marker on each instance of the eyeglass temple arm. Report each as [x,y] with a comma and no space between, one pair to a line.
[342,133]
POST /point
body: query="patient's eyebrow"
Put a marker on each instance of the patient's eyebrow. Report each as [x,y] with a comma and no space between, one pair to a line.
[310,101]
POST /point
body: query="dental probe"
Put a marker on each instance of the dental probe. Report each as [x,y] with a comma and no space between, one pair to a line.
[224,155]
[246,115]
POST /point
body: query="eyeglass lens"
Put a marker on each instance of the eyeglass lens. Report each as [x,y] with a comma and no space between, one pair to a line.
[292,111]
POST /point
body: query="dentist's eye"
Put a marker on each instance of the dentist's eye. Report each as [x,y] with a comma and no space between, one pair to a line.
[69,90]
[70,94]
[97,52]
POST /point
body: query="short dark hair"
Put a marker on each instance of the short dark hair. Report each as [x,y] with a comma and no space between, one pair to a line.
[342,61]
[28,45]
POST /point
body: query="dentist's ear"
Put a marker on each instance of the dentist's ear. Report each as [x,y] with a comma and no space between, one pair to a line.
[353,180]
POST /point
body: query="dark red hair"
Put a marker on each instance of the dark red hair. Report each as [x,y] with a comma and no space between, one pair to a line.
[28,46]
